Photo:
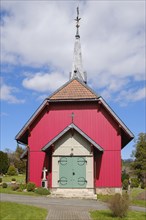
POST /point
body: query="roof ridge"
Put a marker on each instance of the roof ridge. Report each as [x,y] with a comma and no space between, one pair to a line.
[88,87]
[60,88]
[69,82]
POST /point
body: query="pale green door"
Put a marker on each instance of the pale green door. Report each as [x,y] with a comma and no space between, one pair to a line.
[72,172]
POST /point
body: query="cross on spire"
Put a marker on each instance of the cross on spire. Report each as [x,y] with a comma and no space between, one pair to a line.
[77,24]
[77,68]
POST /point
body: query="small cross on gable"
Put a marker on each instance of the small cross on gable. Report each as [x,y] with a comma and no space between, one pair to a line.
[72,116]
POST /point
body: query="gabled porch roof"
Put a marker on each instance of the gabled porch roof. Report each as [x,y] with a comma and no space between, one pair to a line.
[72,127]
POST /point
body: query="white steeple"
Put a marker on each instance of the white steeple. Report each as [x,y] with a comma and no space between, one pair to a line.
[77,68]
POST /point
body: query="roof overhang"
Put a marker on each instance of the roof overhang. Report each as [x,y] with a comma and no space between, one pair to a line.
[24,154]
[31,120]
[119,121]
[70,127]
[74,100]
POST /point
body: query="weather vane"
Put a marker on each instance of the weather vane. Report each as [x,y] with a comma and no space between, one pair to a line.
[77,24]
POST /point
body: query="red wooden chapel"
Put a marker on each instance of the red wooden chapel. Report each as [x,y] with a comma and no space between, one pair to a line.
[74,139]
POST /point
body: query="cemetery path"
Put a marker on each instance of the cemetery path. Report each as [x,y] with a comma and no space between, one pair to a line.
[59,208]
[62,208]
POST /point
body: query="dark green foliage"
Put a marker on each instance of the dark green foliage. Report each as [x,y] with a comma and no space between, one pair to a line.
[13,179]
[4,162]
[1,180]
[139,163]
[42,191]
[20,164]
[30,187]
[4,185]
[22,186]
[12,171]
[125,184]
[15,187]
[134,182]
[125,175]
[14,158]
[143,185]
[119,205]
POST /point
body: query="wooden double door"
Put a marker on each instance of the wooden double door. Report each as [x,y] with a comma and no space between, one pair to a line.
[72,172]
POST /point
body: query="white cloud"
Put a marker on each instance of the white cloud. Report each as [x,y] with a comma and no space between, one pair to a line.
[112,37]
[42,97]
[131,95]
[6,94]
[3,114]
[139,94]
[43,82]
[42,36]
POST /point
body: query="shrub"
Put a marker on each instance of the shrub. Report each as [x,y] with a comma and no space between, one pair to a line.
[12,171]
[19,190]
[13,179]
[15,187]
[4,185]
[125,176]
[125,184]
[143,185]
[22,186]
[30,187]
[1,180]
[134,183]
[119,205]
[42,191]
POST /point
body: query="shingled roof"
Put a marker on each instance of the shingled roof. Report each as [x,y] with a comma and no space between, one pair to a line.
[74,90]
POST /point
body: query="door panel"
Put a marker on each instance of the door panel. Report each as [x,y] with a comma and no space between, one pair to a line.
[72,172]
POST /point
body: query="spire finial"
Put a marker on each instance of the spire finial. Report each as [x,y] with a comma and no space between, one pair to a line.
[77,68]
[77,24]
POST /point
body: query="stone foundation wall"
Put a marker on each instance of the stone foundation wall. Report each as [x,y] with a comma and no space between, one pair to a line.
[108,191]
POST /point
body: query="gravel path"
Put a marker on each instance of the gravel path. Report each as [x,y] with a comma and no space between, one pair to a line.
[61,208]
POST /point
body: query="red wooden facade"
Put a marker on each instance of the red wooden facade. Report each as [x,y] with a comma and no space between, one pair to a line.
[95,119]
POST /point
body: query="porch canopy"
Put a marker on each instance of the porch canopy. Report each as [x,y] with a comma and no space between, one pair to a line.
[73,128]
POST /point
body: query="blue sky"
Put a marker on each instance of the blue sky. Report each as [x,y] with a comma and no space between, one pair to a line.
[37,42]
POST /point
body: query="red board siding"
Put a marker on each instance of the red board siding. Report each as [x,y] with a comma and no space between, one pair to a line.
[36,165]
[98,125]
[108,170]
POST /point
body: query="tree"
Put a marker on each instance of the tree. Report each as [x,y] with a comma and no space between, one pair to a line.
[125,175]
[139,163]
[14,158]
[4,162]
[11,155]
[19,164]
[12,170]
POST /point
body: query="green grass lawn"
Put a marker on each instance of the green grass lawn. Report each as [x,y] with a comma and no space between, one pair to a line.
[133,197]
[19,178]
[10,191]
[15,211]
[107,215]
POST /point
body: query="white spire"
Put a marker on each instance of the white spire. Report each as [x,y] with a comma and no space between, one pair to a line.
[77,68]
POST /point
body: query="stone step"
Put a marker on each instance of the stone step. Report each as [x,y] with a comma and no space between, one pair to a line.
[74,193]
